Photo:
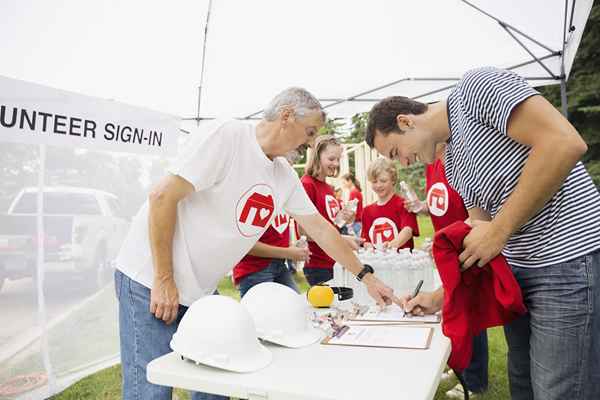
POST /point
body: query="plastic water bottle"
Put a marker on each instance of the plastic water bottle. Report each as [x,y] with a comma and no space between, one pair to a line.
[351,205]
[407,192]
[301,243]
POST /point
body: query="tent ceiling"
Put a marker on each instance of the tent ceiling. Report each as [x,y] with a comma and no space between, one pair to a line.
[150,53]
[526,37]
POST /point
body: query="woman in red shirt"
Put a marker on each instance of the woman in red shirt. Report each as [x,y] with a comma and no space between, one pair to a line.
[351,184]
[324,162]
[386,222]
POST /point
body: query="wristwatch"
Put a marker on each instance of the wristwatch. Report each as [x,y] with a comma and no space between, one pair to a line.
[366,269]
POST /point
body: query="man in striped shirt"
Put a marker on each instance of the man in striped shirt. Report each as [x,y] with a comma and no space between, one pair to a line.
[514,160]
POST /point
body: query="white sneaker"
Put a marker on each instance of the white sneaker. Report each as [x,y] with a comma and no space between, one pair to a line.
[457,392]
[447,376]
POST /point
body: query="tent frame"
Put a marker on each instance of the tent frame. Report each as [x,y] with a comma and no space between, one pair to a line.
[511,30]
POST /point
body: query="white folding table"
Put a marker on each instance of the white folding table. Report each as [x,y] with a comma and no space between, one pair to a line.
[318,372]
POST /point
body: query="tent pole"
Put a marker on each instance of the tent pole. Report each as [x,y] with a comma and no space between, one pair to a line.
[506,25]
[563,76]
[563,96]
[203,62]
[40,267]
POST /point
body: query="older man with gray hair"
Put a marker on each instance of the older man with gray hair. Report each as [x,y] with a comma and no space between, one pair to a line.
[202,218]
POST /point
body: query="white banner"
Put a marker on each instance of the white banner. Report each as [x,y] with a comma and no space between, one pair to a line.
[36,114]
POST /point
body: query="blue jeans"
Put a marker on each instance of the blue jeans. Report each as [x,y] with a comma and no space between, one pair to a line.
[476,374]
[554,350]
[276,271]
[143,338]
[357,227]
[317,275]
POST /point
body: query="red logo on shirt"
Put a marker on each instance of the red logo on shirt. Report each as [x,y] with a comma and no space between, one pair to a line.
[383,230]
[280,223]
[254,210]
[437,199]
[332,206]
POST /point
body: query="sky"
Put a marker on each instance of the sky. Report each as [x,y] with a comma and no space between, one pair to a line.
[149,53]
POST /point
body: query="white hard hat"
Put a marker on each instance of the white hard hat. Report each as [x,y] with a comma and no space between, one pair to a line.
[280,315]
[219,332]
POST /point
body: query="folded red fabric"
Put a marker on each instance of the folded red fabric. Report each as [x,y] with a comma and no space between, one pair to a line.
[475,299]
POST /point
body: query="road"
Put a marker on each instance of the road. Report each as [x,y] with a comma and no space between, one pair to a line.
[19,306]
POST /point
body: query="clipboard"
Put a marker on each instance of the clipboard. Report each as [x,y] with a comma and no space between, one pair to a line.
[393,314]
[382,336]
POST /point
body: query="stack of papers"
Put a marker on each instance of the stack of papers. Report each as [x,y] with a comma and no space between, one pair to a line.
[394,313]
[388,336]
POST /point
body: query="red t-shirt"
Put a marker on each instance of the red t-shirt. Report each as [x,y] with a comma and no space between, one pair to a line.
[383,223]
[445,204]
[356,194]
[323,197]
[277,234]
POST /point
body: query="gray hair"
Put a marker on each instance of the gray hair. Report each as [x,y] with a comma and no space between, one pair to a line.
[301,101]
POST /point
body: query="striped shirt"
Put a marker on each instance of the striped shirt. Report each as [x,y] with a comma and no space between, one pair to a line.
[484,164]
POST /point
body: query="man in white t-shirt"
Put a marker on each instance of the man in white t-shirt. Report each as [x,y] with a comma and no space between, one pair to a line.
[203,217]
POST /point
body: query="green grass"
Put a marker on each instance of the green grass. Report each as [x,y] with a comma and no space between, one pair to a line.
[106,384]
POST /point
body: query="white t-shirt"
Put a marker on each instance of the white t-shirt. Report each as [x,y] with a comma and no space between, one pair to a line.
[238,190]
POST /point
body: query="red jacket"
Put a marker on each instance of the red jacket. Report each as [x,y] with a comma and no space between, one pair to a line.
[475,299]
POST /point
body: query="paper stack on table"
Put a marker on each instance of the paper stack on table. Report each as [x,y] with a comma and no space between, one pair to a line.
[388,336]
[394,313]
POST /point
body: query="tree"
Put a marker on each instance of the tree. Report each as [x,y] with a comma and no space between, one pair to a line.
[583,91]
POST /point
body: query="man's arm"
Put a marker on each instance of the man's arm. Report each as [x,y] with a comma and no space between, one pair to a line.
[478,214]
[555,149]
[162,215]
[264,250]
[330,240]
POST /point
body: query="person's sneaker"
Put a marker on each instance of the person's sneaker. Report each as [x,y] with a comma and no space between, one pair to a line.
[447,376]
[457,392]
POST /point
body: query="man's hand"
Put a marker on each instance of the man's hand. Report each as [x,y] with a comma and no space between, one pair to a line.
[485,241]
[379,291]
[347,215]
[424,303]
[298,253]
[416,206]
[164,299]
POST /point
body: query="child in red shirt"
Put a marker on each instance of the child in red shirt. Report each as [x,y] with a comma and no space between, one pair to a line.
[265,262]
[386,222]
[351,184]
[324,162]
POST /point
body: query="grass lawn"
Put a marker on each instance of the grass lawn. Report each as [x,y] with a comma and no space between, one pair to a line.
[106,384]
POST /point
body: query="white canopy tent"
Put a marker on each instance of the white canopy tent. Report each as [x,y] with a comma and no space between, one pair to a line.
[537,39]
[349,54]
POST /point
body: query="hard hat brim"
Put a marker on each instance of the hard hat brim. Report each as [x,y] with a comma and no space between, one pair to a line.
[249,362]
[299,339]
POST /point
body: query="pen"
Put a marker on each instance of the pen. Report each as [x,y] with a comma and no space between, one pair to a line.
[416,292]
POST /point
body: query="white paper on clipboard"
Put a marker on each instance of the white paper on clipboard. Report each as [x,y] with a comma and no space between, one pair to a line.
[394,313]
[388,336]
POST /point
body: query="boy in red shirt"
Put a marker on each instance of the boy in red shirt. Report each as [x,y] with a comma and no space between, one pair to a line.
[386,222]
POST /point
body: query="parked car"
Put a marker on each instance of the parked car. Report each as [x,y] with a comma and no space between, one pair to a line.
[83,231]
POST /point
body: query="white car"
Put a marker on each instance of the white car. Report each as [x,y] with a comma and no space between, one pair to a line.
[83,231]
